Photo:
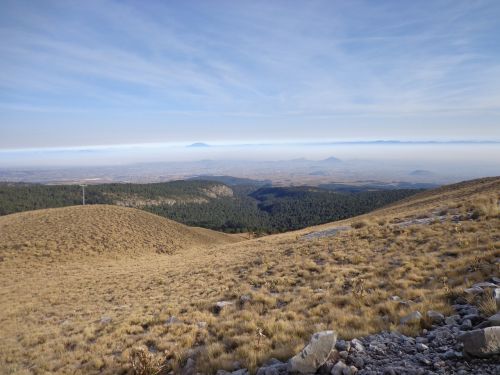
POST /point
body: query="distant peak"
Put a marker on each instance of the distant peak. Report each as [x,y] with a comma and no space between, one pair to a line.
[332,159]
[198,144]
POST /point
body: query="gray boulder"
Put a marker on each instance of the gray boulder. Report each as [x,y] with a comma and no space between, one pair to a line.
[339,368]
[357,345]
[452,319]
[481,342]
[273,367]
[494,320]
[342,345]
[314,354]
[435,317]
[496,295]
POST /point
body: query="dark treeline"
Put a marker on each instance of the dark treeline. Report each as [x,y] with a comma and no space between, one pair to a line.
[250,209]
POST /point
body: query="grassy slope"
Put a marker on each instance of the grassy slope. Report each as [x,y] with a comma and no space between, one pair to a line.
[73,232]
[50,311]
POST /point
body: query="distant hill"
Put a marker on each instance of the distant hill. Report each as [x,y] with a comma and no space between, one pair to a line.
[331,159]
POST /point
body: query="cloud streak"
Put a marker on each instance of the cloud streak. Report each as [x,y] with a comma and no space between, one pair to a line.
[196,63]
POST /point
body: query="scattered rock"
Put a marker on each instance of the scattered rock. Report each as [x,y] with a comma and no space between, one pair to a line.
[314,354]
[474,318]
[244,299]
[342,345]
[273,367]
[482,342]
[435,317]
[451,354]
[357,345]
[172,320]
[219,306]
[494,320]
[484,285]
[202,325]
[352,370]
[105,320]
[476,290]
[339,368]
[466,325]
[450,320]
[242,371]
[422,347]
[359,362]
[413,317]
[189,368]
[439,350]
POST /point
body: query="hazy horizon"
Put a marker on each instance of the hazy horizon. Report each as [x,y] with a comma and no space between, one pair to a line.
[303,163]
[112,83]
[104,155]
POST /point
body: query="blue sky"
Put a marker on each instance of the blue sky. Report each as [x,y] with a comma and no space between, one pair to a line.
[76,73]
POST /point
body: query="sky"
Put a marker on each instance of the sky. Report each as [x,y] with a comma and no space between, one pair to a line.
[82,73]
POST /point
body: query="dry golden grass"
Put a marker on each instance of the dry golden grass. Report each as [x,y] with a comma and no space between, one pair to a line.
[71,233]
[52,307]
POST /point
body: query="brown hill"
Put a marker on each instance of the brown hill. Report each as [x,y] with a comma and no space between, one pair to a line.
[98,229]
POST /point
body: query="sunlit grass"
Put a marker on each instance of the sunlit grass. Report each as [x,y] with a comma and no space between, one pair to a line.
[74,304]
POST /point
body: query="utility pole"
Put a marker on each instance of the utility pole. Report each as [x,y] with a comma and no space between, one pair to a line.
[83,194]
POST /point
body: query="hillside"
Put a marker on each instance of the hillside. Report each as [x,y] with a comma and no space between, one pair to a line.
[78,231]
[86,315]
[227,204]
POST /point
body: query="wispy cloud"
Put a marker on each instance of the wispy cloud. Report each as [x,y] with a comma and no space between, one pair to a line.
[227,60]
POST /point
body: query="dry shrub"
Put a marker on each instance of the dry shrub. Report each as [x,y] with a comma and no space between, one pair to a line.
[144,363]
[359,224]
[488,305]
[485,206]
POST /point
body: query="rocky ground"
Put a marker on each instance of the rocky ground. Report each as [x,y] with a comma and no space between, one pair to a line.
[402,224]
[464,343]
